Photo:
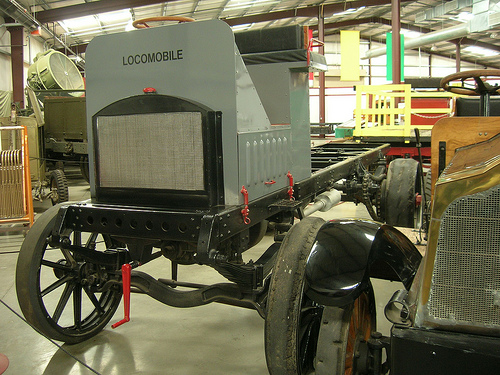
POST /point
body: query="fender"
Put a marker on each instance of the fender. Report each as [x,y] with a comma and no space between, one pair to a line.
[346,253]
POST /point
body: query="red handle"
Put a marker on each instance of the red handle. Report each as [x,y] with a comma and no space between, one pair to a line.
[290,182]
[245,211]
[126,271]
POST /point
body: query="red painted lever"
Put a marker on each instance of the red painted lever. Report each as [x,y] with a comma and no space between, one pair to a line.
[245,211]
[290,182]
[126,270]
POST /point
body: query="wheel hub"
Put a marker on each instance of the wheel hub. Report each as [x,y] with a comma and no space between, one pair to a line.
[361,358]
[58,272]
[89,276]
[83,273]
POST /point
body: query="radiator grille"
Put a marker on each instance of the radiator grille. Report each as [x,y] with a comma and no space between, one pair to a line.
[465,281]
[11,184]
[152,151]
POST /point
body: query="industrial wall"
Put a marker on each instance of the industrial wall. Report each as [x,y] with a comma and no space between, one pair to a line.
[31,48]
[340,95]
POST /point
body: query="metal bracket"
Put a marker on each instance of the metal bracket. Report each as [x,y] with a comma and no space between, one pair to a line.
[208,240]
[442,157]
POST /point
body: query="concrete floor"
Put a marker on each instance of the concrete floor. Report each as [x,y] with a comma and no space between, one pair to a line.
[212,339]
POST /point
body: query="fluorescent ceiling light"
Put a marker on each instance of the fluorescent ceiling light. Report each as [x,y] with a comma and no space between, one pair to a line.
[98,30]
[63,25]
[79,23]
[481,51]
[130,26]
[121,15]
[242,27]
[463,17]
[90,23]
[236,4]
[410,33]
[349,11]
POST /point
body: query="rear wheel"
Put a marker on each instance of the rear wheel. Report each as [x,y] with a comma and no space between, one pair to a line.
[302,336]
[58,187]
[59,292]
[402,192]
[343,329]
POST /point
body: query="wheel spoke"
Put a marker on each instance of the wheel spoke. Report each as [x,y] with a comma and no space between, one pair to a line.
[91,242]
[77,306]
[366,326]
[63,301]
[310,317]
[77,238]
[94,300]
[69,257]
[360,328]
[58,266]
[56,285]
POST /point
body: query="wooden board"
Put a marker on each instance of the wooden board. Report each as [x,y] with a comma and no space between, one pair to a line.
[459,132]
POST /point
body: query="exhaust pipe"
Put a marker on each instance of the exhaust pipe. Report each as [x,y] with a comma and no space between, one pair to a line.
[324,202]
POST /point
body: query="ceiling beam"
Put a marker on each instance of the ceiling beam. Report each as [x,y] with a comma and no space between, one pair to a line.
[102,6]
[333,28]
[469,60]
[472,42]
[451,55]
[361,21]
[310,11]
[94,7]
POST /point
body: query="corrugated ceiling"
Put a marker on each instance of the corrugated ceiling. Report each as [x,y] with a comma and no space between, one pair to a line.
[76,22]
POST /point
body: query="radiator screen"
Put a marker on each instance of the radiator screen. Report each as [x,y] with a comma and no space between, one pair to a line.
[151,151]
[465,282]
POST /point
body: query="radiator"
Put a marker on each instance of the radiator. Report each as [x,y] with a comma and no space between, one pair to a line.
[151,151]
[465,287]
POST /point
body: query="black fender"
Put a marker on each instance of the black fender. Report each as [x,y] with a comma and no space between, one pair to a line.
[346,253]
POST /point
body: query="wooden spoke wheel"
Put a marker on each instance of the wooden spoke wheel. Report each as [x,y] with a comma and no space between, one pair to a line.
[63,295]
[343,330]
[302,336]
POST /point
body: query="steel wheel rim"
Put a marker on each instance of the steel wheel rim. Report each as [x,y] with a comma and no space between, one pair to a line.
[77,299]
